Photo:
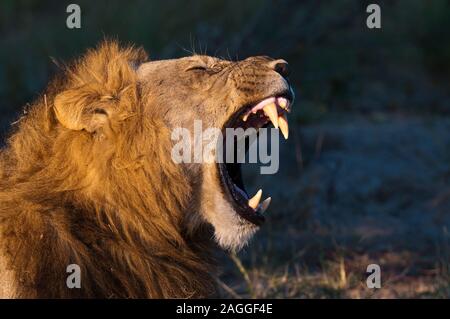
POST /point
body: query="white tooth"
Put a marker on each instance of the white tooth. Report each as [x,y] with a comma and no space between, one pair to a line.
[264,205]
[271,111]
[245,117]
[254,201]
[284,127]
[282,102]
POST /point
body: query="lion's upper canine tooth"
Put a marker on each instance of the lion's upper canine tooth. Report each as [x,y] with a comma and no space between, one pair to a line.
[244,118]
[264,205]
[271,111]
[284,127]
[282,102]
[254,201]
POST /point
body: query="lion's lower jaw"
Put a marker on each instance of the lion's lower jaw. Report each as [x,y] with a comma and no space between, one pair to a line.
[236,237]
[230,230]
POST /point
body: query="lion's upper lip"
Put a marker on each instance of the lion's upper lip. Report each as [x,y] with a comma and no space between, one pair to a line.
[281,101]
[270,109]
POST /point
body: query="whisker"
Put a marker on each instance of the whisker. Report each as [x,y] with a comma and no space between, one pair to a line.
[183,48]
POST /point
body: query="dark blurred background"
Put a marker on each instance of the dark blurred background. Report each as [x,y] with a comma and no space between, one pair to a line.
[365,175]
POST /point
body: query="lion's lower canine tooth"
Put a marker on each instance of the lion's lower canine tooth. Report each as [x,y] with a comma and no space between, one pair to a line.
[271,111]
[284,127]
[265,204]
[254,201]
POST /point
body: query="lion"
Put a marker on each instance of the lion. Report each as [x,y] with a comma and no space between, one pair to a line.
[87,176]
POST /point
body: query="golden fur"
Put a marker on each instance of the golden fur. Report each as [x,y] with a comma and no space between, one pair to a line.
[87,177]
[79,185]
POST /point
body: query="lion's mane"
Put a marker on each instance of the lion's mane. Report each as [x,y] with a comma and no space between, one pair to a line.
[115,207]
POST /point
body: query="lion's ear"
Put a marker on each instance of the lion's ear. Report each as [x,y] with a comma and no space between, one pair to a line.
[79,109]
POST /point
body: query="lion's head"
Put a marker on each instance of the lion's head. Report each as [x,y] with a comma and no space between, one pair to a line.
[221,94]
[89,176]
[173,94]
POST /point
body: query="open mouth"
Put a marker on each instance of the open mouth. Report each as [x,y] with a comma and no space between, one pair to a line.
[273,110]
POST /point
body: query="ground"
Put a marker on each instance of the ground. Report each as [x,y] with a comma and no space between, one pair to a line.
[349,193]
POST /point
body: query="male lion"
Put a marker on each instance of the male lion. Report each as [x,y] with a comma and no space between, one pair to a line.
[87,176]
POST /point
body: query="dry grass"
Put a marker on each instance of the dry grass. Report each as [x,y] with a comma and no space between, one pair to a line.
[340,277]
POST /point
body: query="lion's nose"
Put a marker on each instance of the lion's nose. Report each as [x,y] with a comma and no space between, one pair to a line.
[281,67]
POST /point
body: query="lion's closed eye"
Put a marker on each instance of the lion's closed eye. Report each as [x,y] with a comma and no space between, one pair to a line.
[197,67]
[106,164]
[204,67]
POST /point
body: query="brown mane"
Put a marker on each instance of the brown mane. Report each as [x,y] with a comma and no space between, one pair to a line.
[64,200]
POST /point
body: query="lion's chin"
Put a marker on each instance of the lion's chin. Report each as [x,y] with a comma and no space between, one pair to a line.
[235,238]
[231,231]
